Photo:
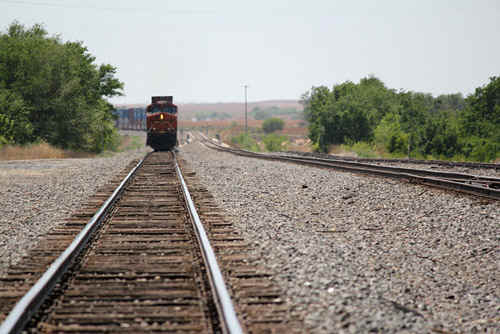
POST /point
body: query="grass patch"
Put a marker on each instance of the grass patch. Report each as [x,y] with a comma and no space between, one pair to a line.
[246,142]
[38,151]
[44,150]
[274,142]
[358,150]
[370,150]
[364,150]
[130,143]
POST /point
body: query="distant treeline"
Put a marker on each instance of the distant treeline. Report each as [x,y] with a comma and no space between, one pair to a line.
[53,91]
[212,115]
[405,122]
[263,114]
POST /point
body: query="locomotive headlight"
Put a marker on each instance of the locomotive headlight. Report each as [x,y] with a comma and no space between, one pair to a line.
[161,116]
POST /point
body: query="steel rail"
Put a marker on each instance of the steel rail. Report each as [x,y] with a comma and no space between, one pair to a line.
[224,303]
[427,179]
[414,171]
[443,180]
[29,304]
[465,164]
[459,177]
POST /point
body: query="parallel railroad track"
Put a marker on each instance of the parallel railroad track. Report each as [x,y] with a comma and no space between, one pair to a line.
[487,187]
[444,163]
[141,268]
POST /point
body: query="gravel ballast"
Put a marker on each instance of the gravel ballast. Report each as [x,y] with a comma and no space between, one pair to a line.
[363,254]
[491,172]
[37,195]
[352,253]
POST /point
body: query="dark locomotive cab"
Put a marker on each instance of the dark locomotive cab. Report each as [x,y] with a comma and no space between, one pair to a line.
[161,123]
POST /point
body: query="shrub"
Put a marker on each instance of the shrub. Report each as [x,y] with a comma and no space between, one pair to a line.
[480,149]
[244,141]
[274,142]
[364,150]
[273,124]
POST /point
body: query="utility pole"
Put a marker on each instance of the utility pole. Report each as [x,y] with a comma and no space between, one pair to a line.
[246,117]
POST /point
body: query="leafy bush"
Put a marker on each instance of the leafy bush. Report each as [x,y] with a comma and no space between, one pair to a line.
[364,150]
[447,126]
[480,149]
[273,124]
[14,123]
[246,142]
[6,126]
[389,136]
[274,142]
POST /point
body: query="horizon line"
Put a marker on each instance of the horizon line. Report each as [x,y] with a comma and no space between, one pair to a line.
[220,102]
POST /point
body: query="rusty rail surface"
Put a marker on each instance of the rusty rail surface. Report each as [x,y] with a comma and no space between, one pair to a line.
[488,187]
[143,269]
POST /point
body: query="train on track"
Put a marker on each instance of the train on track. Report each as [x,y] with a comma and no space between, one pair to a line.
[161,123]
[159,119]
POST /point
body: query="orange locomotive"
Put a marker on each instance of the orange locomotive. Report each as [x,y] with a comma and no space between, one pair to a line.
[161,123]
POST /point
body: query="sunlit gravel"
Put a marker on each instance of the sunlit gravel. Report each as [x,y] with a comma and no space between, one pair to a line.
[37,195]
[358,254]
[352,253]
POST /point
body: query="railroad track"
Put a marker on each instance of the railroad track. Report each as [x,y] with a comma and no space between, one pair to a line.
[143,263]
[444,163]
[483,186]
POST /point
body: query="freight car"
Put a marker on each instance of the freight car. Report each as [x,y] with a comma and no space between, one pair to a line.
[130,119]
[161,123]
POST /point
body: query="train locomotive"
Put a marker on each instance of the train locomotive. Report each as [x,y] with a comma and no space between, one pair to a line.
[161,123]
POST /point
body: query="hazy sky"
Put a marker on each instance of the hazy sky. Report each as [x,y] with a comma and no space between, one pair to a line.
[205,51]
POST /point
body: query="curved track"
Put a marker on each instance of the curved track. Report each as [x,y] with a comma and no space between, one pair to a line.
[138,267]
[488,187]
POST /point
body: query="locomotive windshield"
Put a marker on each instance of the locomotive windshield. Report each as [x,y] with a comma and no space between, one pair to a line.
[169,109]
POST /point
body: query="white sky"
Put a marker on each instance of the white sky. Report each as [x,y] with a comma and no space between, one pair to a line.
[205,51]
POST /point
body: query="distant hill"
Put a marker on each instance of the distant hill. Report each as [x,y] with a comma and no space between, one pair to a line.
[235,109]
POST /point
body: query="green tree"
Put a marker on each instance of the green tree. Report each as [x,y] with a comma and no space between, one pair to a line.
[479,123]
[57,89]
[317,105]
[259,114]
[445,126]
[482,114]
[388,134]
[15,126]
[347,113]
[272,125]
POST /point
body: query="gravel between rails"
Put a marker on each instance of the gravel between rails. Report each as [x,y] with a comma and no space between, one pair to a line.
[37,195]
[358,254]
